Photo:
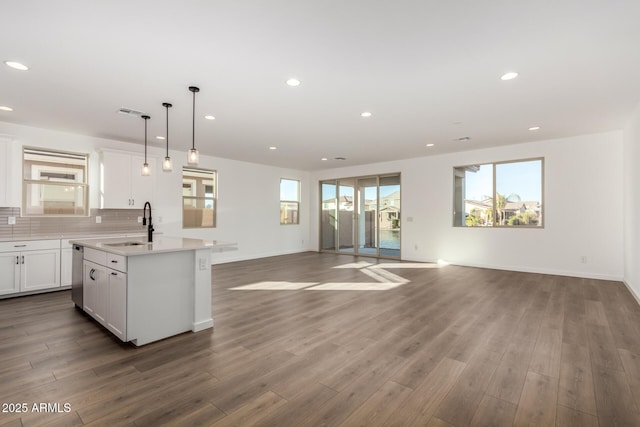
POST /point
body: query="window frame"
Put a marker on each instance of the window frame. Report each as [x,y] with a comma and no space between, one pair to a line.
[28,181]
[214,197]
[296,202]
[493,195]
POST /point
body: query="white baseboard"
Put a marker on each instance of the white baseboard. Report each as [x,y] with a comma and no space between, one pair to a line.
[635,295]
[202,325]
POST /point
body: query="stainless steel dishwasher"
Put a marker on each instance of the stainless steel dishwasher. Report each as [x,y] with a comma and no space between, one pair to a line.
[76,275]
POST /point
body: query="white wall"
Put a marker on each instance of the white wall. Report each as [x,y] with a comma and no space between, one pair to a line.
[583,209]
[632,204]
[248,194]
[248,209]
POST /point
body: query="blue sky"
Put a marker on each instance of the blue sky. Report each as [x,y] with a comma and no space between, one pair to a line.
[521,178]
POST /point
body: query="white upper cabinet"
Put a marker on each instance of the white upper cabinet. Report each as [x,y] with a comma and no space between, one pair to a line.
[122,186]
[10,184]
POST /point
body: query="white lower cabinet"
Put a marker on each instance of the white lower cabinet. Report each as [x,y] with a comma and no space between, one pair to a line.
[66,255]
[27,266]
[95,291]
[9,272]
[117,305]
[105,290]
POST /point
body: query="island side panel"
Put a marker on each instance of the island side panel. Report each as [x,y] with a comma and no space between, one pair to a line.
[202,301]
[160,291]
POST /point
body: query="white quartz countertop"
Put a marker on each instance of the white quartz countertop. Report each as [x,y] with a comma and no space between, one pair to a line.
[131,246]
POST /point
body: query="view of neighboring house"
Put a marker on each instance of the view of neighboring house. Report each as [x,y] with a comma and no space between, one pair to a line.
[480,213]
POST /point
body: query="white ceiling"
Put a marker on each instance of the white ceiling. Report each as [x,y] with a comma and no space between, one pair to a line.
[429,71]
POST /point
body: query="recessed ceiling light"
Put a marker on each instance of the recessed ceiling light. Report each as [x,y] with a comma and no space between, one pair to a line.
[5,108]
[160,137]
[273,148]
[293,82]
[366,114]
[209,117]
[430,145]
[509,76]
[534,128]
[324,159]
[16,65]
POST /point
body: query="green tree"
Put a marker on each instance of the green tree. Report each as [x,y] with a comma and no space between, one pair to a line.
[501,204]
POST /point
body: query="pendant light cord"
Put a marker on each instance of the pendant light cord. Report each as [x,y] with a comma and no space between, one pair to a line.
[145,137]
[193,123]
[167,134]
[193,89]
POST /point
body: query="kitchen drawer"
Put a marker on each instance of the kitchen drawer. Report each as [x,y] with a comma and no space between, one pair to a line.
[99,257]
[116,262]
[29,245]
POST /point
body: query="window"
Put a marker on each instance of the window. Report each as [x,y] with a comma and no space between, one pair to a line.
[198,198]
[289,201]
[54,183]
[505,194]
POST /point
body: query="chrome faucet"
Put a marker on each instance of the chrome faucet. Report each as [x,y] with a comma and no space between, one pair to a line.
[144,221]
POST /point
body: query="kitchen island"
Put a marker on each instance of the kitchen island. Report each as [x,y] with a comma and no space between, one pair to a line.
[143,292]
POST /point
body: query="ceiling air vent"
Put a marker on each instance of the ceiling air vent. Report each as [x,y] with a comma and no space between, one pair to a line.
[463,138]
[130,112]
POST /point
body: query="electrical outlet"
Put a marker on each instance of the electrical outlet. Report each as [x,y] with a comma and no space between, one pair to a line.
[11,220]
[415,247]
[139,220]
[583,259]
[203,263]
[98,220]
[159,220]
[409,219]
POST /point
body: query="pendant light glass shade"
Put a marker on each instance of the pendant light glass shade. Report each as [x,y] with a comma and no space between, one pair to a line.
[146,171]
[193,157]
[167,164]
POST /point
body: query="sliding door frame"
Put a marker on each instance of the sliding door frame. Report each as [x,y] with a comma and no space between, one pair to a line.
[356,217]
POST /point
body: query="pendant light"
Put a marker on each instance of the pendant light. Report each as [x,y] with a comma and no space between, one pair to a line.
[193,157]
[146,171]
[167,164]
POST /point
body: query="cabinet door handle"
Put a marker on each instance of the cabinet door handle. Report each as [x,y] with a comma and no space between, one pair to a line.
[114,261]
[23,259]
[19,246]
[17,259]
[114,274]
[93,270]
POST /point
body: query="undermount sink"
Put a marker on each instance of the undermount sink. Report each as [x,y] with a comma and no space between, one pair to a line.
[125,244]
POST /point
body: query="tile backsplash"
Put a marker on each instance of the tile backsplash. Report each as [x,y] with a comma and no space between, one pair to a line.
[114,221]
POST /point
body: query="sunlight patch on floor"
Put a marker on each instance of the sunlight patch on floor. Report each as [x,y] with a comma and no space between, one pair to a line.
[354,286]
[277,286]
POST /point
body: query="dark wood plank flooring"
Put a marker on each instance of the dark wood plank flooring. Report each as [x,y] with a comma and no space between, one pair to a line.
[455,346]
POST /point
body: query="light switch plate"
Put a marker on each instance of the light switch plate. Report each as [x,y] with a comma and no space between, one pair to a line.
[11,220]
[203,263]
[98,220]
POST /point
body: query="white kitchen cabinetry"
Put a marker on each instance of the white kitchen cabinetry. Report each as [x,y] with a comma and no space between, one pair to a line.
[117,304]
[9,197]
[5,164]
[66,254]
[28,266]
[105,290]
[95,291]
[121,184]
[9,272]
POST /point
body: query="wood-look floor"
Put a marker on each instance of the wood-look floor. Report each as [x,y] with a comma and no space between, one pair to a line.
[453,347]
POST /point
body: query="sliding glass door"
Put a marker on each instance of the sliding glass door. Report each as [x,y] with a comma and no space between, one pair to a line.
[389,218]
[361,215]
